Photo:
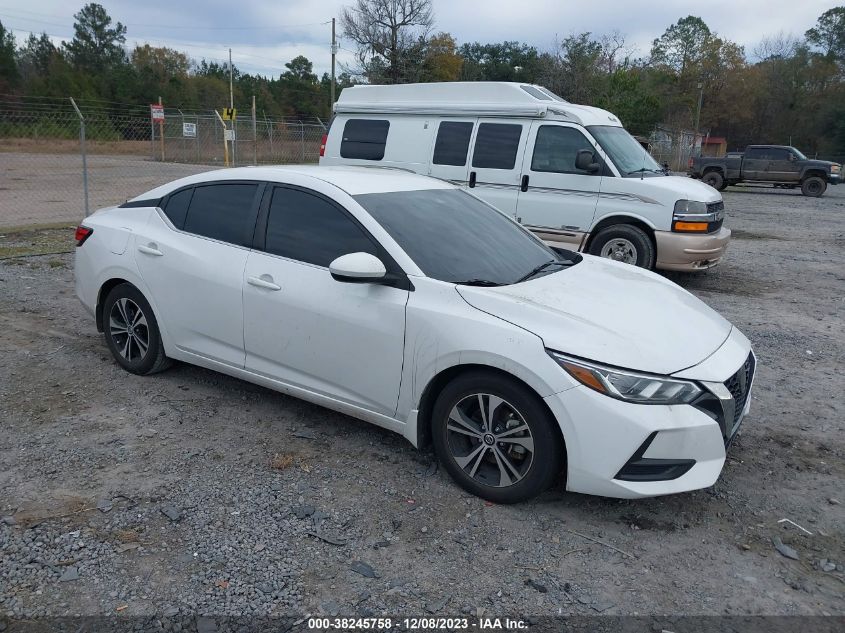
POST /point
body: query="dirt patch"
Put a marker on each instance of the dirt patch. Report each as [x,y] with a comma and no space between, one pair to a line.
[28,241]
[739,234]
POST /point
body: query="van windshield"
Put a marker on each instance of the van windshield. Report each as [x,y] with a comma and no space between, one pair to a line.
[630,158]
[441,231]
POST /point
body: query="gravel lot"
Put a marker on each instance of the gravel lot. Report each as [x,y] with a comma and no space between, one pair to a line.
[194,493]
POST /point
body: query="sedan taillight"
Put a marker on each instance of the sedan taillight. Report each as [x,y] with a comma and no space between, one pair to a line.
[82,234]
[323,145]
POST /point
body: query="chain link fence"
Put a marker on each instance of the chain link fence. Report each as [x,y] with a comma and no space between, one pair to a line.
[60,159]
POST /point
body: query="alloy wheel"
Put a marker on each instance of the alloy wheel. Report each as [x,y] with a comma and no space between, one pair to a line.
[129,329]
[489,440]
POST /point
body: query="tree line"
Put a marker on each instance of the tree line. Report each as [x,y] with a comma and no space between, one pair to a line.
[785,89]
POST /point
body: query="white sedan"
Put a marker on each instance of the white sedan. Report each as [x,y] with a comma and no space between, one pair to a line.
[411,304]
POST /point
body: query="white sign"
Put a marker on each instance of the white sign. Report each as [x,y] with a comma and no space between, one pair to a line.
[157,112]
[189,129]
[229,135]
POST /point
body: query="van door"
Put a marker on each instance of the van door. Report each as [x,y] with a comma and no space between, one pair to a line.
[449,158]
[496,164]
[558,200]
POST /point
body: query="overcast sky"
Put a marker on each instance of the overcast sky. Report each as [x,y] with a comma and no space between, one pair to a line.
[264,34]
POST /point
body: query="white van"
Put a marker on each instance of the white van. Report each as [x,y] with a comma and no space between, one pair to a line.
[570,173]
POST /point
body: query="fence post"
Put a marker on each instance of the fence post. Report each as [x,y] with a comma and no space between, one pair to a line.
[301,142]
[84,153]
[254,135]
[270,136]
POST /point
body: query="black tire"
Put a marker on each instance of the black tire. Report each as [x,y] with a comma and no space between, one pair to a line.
[813,187]
[643,253]
[122,306]
[715,180]
[538,469]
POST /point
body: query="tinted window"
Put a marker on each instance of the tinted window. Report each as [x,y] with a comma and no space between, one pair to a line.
[309,229]
[224,212]
[452,143]
[778,154]
[556,148]
[755,153]
[364,138]
[177,207]
[440,230]
[496,145]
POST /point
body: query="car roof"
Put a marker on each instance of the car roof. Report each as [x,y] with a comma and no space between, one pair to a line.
[353,180]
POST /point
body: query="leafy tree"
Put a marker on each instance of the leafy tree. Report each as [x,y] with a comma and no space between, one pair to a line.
[97,46]
[829,33]
[35,55]
[9,75]
[505,61]
[386,32]
[682,45]
[441,61]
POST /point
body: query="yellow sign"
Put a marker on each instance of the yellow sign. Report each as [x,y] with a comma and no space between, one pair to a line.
[229,114]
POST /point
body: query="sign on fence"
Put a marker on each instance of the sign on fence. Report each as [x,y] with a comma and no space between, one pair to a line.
[229,114]
[229,135]
[189,130]
[157,112]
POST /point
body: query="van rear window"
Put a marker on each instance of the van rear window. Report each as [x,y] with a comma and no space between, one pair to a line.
[452,143]
[364,139]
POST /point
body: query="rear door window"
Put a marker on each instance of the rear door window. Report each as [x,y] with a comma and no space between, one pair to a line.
[308,228]
[224,212]
[755,153]
[364,139]
[452,143]
[496,145]
[177,207]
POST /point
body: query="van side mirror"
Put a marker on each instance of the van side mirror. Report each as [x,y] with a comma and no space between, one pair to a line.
[358,268]
[585,160]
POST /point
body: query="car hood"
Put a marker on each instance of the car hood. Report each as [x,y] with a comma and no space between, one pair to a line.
[611,313]
[678,187]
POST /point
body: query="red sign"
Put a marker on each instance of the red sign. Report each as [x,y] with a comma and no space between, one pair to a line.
[157,112]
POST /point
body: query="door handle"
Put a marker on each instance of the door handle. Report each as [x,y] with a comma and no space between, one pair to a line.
[150,249]
[524,184]
[472,179]
[265,281]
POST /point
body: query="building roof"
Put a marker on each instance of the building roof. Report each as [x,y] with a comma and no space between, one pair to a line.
[468,98]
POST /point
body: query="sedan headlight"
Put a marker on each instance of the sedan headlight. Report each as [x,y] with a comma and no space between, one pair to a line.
[629,386]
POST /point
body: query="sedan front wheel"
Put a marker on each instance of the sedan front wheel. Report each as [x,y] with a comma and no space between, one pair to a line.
[496,438]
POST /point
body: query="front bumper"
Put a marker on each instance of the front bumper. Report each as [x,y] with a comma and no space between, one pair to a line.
[834,179]
[690,252]
[625,450]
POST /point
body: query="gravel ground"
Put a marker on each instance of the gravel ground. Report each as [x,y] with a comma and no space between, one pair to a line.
[194,493]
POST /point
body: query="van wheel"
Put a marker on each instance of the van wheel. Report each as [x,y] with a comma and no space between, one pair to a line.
[496,438]
[813,187]
[624,243]
[715,180]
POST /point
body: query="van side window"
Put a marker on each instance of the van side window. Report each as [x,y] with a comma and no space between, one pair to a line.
[555,150]
[496,145]
[364,139]
[452,143]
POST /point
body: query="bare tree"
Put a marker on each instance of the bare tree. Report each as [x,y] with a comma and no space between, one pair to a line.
[387,32]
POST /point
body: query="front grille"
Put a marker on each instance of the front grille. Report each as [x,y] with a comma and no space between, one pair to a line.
[739,385]
[716,207]
[713,207]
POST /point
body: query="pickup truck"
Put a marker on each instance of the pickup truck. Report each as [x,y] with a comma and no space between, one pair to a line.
[779,165]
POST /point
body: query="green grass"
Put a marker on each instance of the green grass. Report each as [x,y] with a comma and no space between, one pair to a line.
[27,241]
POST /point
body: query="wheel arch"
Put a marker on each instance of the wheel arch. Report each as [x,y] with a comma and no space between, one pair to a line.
[444,377]
[620,219]
[711,167]
[814,171]
[105,288]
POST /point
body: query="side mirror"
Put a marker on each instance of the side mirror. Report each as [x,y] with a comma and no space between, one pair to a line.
[792,157]
[357,268]
[585,160]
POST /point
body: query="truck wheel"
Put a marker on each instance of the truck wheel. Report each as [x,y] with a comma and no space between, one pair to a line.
[715,180]
[813,187]
[624,243]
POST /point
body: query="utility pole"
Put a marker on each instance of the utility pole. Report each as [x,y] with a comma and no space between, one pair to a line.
[698,113]
[334,54]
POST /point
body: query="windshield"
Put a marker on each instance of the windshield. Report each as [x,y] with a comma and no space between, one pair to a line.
[630,158]
[454,237]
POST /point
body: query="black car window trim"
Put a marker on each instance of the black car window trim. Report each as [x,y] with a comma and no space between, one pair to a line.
[253,207]
[148,202]
[396,277]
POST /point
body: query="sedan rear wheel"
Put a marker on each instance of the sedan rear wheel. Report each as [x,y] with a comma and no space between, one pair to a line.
[496,438]
[132,332]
